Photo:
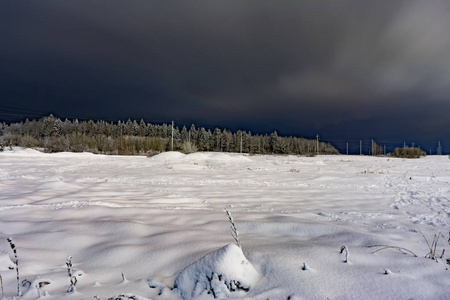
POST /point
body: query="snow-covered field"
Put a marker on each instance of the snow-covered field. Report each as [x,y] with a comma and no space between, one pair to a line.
[160,221]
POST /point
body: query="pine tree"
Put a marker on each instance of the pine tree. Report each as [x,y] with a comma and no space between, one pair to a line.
[128,128]
[274,142]
[193,133]
[142,128]
[184,134]
[202,140]
[57,127]
[217,135]
[48,123]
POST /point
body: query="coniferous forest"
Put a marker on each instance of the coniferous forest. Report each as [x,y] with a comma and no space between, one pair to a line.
[51,134]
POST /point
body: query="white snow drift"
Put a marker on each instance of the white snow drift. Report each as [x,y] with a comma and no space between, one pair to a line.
[155,228]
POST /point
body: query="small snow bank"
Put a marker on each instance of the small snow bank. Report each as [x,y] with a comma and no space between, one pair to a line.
[29,152]
[168,156]
[217,157]
[75,154]
[229,157]
[196,157]
[18,151]
[223,274]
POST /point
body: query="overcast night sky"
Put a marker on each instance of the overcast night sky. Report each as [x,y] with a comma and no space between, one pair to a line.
[346,70]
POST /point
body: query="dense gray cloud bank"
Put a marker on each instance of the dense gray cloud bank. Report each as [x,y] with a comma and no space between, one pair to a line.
[344,68]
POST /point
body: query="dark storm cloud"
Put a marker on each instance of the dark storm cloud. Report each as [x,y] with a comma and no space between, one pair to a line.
[295,66]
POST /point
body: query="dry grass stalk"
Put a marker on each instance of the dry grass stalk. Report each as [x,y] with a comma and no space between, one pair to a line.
[16,262]
[1,284]
[346,252]
[392,247]
[433,248]
[234,232]
[73,278]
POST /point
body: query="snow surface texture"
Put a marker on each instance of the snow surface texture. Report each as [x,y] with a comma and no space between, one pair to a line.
[136,227]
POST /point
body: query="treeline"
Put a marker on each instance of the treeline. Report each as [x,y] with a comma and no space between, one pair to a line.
[140,138]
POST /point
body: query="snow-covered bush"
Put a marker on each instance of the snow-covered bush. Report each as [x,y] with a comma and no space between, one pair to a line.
[408,152]
[223,274]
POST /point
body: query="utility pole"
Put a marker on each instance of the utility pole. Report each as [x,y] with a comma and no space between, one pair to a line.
[317,137]
[372,149]
[172,137]
[360,147]
[347,148]
[384,152]
[241,143]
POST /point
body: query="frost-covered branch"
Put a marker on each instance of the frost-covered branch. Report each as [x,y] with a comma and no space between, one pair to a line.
[234,232]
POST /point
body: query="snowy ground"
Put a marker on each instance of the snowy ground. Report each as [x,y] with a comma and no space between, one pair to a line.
[150,218]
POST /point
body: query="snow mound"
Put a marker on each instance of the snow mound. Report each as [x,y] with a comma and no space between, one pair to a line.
[80,154]
[168,156]
[216,157]
[224,157]
[196,157]
[18,151]
[223,274]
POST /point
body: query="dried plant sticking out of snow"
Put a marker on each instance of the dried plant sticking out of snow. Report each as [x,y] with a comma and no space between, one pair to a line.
[391,247]
[346,252]
[16,262]
[73,278]
[234,232]
[124,279]
[37,283]
[305,267]
[433,248]
[1,284]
